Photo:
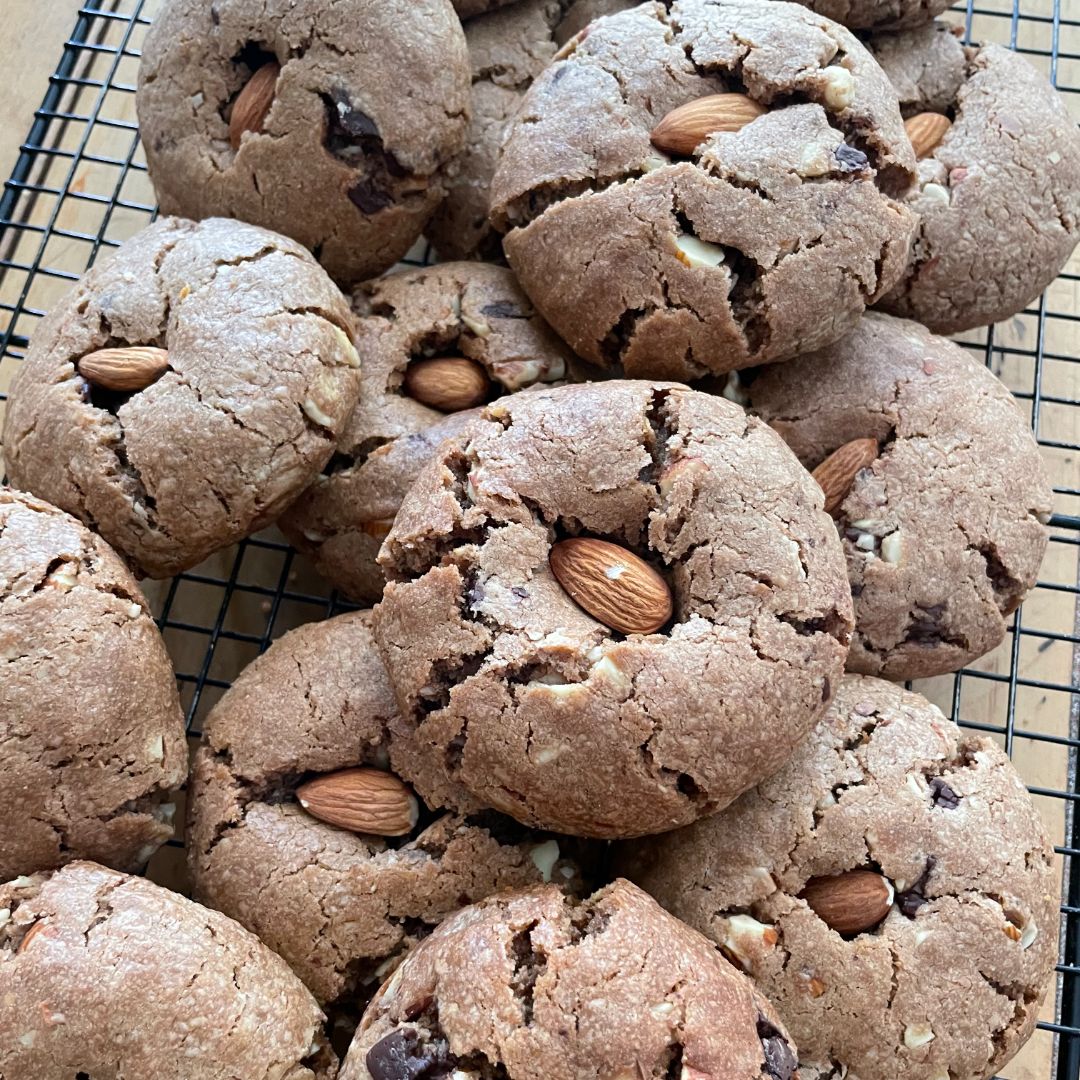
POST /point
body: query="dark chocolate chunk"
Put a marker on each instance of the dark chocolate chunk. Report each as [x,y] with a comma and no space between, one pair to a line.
[402,1056]
[911,899]
[780,1060]
[850,159]
[368,197]
[350,119]
[943,795]
[520,592]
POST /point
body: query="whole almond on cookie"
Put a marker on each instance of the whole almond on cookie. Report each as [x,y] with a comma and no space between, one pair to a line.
[837,472]
[363,800]
[253,103]
[688,126]
[926,130]
[126,370]
[447,383]
[612,584]
[851,902]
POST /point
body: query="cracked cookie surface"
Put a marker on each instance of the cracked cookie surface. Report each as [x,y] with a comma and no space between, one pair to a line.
[464,309]
[944,533]
[340,907]
[764,243]
[368,109]
[532,984]
[999,197]
[91,732]
[952,979]
[261,378]
[106,975]
[507,50]
[513,697]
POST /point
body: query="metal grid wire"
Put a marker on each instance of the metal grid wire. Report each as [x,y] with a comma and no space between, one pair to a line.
[80,185]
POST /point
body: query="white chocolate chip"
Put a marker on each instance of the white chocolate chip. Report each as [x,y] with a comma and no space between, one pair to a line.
[1054,157]
[1031,932]
[28,1039]
[544,857]
[64,576]
[916,784]
[866,541]
[938,194]
[134,610]
[610,672]
[20,882]
[916,1035]
[352,357]
[826,800]
[696,252]
[313,536]
[197,100]
[5,916]
[155,748]
[480,327]
[839,87]
[745,937]
[653,162]
[547,755]
[663,1010]
[892,548]
[814,162]
[865,524]
[165,812]
[316,414]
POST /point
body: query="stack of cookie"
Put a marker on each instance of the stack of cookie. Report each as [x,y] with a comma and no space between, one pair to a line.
[623,629]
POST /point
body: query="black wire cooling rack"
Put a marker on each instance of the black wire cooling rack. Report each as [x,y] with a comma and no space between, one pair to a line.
[80,185]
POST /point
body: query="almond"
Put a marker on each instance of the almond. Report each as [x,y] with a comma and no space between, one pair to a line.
[379,529]
[926,130]
[837,472]
[253,103]
[447,383]
[30,935]
[612,584]
[364,800]
[850,902]
[126,370]
[687,127]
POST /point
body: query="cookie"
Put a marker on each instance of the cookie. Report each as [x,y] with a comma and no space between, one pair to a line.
[507,50]
[756,245]
[185,391]
[107,975]
[920,843]
[91,733]
[531,985]
[998,194]
[332,124]
[469,310]
[512,696]
[340,907]
[926,66]
[878,14]
[944,528]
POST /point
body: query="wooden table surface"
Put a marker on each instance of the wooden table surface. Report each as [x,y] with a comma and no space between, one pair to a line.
[32,33]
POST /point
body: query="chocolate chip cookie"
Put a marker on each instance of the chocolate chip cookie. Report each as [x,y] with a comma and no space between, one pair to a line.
[539,985]
[753,224]
[333,124]
[471,312]
[891,890]
[943,525]
[878,14]
[712,629]
[91,733]
[339,906]
[185,391]
[507,50]
[106,975]
[998,195]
